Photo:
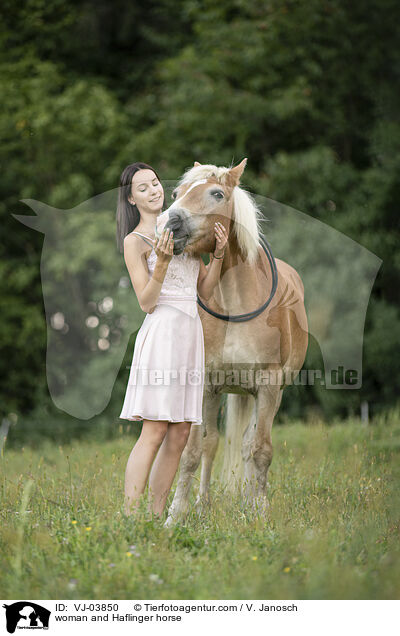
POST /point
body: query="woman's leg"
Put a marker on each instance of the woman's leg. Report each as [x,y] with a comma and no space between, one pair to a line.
[141,459]
[166,464]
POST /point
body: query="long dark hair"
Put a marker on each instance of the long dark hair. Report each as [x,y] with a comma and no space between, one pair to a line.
[128,216]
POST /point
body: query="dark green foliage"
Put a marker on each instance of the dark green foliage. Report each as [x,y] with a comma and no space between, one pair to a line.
[307,91]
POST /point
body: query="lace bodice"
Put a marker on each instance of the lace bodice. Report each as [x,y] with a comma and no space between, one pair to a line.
[181,277]
[179,288]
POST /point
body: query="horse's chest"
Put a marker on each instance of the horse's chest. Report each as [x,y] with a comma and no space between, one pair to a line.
[242,343]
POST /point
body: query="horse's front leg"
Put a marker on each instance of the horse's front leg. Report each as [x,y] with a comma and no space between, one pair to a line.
[257,450]
[190,460]
[210,444]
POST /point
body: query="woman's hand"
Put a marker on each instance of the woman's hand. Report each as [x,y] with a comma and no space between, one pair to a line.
[164,246]
[221,238]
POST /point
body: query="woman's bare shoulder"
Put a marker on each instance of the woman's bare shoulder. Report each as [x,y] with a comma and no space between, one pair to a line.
[134,244]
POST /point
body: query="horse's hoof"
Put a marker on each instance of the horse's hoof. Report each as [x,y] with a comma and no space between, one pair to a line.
[170,522]
[202,503]
[260,505]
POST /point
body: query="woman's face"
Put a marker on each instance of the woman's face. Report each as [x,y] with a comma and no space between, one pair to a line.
[146,192]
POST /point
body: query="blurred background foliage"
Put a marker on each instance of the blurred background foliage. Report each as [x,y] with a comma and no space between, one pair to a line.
[309,92]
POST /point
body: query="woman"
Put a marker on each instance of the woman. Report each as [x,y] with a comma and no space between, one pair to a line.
[169,347]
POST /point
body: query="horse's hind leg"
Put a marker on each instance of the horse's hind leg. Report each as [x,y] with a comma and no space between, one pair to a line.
[190,460]
[210,445]
[257,448]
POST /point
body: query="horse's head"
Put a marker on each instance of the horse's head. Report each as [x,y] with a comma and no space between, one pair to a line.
[206,194]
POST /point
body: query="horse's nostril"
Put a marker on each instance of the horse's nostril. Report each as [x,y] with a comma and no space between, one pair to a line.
[175,221]
[175,226]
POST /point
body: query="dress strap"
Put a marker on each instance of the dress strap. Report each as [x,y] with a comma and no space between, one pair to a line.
[145,238]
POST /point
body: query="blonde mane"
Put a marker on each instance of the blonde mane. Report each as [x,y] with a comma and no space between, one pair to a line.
[247,216]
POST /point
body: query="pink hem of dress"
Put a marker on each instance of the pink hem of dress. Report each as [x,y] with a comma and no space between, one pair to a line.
[139,418]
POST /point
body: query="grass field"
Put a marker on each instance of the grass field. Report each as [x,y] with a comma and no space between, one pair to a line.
[332,530]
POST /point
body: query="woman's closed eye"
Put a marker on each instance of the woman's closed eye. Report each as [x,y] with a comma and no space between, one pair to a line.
[155,184]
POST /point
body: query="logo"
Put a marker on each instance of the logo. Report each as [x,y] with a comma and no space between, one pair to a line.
[26,615]
[91,310]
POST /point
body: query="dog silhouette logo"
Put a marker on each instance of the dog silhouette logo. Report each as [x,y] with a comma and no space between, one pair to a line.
[26,615]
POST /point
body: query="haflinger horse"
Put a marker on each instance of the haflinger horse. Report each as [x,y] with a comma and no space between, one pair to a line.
[249,359]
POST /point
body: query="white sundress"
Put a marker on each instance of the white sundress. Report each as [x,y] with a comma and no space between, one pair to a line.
[166,379]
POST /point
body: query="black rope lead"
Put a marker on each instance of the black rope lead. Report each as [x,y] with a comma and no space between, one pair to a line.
[252,314]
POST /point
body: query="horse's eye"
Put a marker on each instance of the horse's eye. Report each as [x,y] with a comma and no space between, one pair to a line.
[173,195]
[218,194]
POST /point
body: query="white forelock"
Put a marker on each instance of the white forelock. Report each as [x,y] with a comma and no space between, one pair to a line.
[196,183]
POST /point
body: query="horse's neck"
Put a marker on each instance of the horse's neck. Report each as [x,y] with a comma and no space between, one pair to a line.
[239,287]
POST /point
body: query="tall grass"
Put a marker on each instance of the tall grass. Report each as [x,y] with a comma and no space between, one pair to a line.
[331,531]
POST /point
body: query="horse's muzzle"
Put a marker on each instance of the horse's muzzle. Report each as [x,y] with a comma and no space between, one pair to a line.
[179,221]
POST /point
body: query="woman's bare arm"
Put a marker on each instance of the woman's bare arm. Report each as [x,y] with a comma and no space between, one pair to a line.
[147,288]
[208,277]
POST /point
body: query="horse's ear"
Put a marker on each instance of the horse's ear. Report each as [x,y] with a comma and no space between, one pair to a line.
[237,172]
[196,163]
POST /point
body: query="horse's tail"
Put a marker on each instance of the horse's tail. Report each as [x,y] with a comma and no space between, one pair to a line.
[240,413]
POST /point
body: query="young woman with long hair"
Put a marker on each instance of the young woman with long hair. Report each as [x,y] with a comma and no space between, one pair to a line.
[170,343]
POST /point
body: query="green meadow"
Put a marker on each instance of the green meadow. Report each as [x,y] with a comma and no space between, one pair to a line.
[331,531]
